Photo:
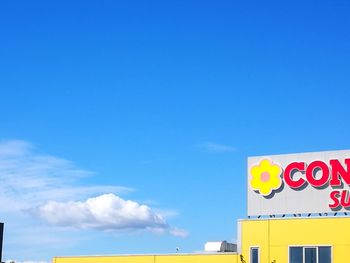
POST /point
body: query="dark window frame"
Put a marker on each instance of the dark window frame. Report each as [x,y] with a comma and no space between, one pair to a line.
[251,254]
[317,247]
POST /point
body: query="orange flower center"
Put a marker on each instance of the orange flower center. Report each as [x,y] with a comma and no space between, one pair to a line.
[265,177]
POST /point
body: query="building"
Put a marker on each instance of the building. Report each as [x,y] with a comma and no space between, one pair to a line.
[297,212]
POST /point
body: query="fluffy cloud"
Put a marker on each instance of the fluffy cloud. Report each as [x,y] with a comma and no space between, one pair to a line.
[106,212]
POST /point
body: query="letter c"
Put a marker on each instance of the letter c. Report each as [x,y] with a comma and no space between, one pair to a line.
[288,175]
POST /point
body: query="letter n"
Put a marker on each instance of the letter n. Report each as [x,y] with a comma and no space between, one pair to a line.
[339,171]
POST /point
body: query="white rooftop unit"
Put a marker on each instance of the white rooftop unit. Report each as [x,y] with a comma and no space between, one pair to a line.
[220,246]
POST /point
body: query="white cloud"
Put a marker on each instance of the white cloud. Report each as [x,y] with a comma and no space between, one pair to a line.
[178,232]
[106,212]
[28,178]
[45,185]
[215,147]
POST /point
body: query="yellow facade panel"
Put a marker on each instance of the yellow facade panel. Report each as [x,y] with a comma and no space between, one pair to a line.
[220,258]
[178,258]
[105,259]
[320,231]
[275,236]
[255,234]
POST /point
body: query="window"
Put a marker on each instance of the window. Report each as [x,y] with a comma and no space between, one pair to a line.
[324,255]
[254,255]
[296,255]
[310,254]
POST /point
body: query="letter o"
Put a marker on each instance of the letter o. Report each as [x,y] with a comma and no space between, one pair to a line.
[310,173]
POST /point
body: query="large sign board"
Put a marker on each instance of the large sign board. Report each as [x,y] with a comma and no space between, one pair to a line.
[299,183]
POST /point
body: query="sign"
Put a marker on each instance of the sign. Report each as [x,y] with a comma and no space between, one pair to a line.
[299,183]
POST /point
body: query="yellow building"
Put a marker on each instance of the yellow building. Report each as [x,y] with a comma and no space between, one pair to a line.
[175,258]
[294,240]
[297,240]
[297,213]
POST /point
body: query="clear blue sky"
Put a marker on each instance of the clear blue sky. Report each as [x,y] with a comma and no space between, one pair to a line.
[161,103]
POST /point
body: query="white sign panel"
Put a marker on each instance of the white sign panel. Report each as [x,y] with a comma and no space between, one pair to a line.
[299,183]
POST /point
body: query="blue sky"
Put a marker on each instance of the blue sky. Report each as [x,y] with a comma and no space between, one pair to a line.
[159,103]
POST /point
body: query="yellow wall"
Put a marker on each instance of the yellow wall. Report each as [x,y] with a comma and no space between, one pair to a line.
[275,235]
[255,234]
[221,258]
[105,259]
[178,258]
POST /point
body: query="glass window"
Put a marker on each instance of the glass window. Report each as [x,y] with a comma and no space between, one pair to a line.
[310,255]
[296,255]
[320,254]
[324,255]
[254,255]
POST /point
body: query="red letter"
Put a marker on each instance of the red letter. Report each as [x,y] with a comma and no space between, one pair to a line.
[288,175]
[312,168]
[338,169]
[345,202]
[334,196]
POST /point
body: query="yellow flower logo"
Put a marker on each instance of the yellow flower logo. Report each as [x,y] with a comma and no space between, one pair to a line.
[266,177]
